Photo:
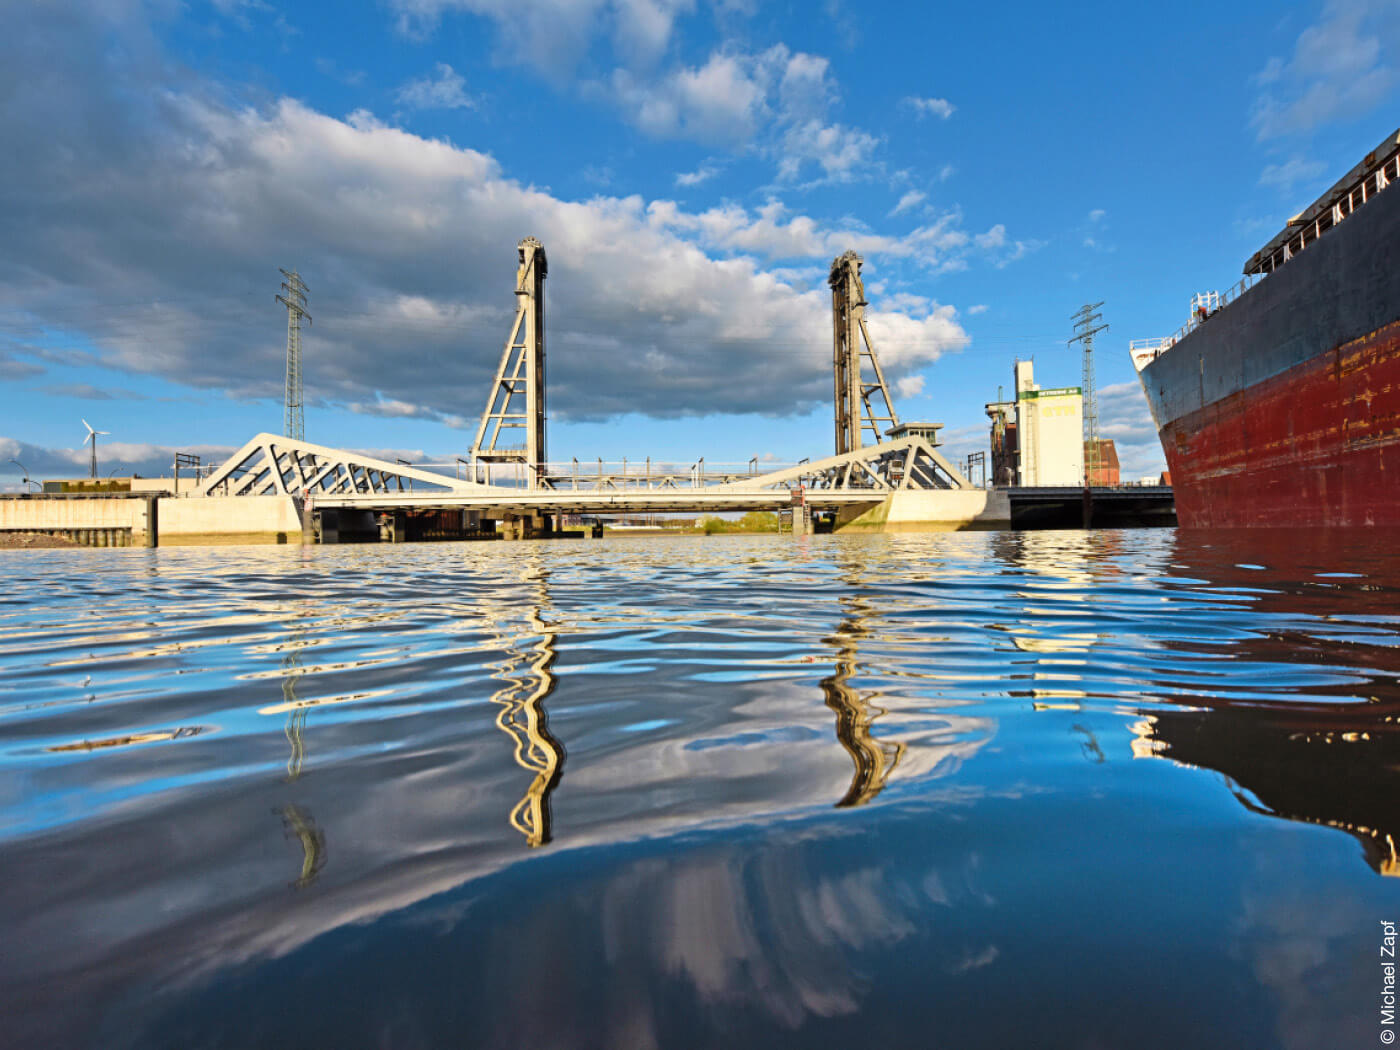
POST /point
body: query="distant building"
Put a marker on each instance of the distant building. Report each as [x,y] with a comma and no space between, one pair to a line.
[1106,471]
[1038,439]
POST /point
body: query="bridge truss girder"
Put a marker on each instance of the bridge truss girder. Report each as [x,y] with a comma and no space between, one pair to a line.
[272,465]
[891,466]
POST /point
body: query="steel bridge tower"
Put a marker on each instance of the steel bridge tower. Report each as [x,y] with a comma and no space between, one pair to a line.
[517,398]
[855,413]
[295,302]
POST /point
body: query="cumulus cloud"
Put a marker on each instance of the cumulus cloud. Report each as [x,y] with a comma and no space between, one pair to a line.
[444,88]
[931,107]
[553,35]
[909,386]
[777,102]
[1124,417]
[408,244]
[1342,65]
[113,457]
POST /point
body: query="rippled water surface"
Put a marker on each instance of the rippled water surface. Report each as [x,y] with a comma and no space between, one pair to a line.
[1091,790]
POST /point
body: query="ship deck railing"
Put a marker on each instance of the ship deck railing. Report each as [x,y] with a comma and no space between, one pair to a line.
[1200,313]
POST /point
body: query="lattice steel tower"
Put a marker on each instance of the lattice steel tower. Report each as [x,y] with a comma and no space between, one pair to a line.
[850,343]
[295,302]
[1085,330]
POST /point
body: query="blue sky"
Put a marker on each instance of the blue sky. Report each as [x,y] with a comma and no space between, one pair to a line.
[692,168]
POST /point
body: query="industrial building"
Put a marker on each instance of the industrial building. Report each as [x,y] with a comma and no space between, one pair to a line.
[1038,438]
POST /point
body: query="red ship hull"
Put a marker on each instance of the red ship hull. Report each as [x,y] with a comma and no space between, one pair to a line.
[1318,444]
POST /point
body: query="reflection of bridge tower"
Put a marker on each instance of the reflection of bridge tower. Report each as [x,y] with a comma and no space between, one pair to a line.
[296,712]
[522,717]
[874,759]
[850,343]
[517,398]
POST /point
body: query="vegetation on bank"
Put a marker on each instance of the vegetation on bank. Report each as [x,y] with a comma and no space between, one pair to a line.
[753,521]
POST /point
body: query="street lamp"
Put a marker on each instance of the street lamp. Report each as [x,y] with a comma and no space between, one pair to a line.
[27,479]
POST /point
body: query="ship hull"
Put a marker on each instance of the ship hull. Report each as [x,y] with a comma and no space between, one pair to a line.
[1317,445]
[1283,407]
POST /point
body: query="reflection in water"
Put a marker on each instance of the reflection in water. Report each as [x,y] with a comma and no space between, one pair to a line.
[130,739]
[985,688]
[1338,767]
[874,759]
[522,717]
[1331,758]
[298,823]
[296,712]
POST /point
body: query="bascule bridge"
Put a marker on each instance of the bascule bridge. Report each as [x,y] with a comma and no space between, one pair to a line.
[882,474]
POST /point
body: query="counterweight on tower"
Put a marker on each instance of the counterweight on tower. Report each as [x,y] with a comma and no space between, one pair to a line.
[855,412]
[295,302]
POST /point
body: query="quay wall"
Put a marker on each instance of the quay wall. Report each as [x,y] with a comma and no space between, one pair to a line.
[179,521]
[933,511]
[229,519]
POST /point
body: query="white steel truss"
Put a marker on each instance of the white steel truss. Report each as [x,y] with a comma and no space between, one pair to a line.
[908,463]
[272,465]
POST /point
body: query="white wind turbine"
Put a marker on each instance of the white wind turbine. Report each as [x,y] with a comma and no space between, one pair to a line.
[92,437]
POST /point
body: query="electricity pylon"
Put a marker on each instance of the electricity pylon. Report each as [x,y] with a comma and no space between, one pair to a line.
[1085,330]
[295,302]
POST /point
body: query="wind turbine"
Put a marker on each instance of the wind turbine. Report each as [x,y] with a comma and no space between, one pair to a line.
[92,436]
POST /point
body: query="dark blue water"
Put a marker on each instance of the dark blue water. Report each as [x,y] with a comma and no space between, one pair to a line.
[1092,790]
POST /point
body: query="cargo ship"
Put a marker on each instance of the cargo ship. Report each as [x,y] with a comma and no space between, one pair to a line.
[1278,403]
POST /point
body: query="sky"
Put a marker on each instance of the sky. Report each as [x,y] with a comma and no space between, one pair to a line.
[691,166]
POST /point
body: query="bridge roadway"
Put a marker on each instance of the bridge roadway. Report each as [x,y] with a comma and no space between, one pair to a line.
[569,501]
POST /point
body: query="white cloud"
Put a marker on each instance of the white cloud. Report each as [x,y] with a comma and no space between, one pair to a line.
[553,35]
[838,150]
[444,88]
[776,102]
[121,457]
[1341,66]
[704,173]
[1001,249]
[909,386]
[907,202]
[980,308]
[931,107]
[1124,417]
[420,237]
[1097,215]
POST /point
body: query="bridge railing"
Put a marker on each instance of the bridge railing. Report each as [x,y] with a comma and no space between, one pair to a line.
[591,475]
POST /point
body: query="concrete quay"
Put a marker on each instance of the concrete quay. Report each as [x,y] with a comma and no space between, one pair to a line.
[148,520]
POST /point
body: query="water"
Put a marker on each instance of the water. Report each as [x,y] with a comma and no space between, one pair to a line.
[968,790]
